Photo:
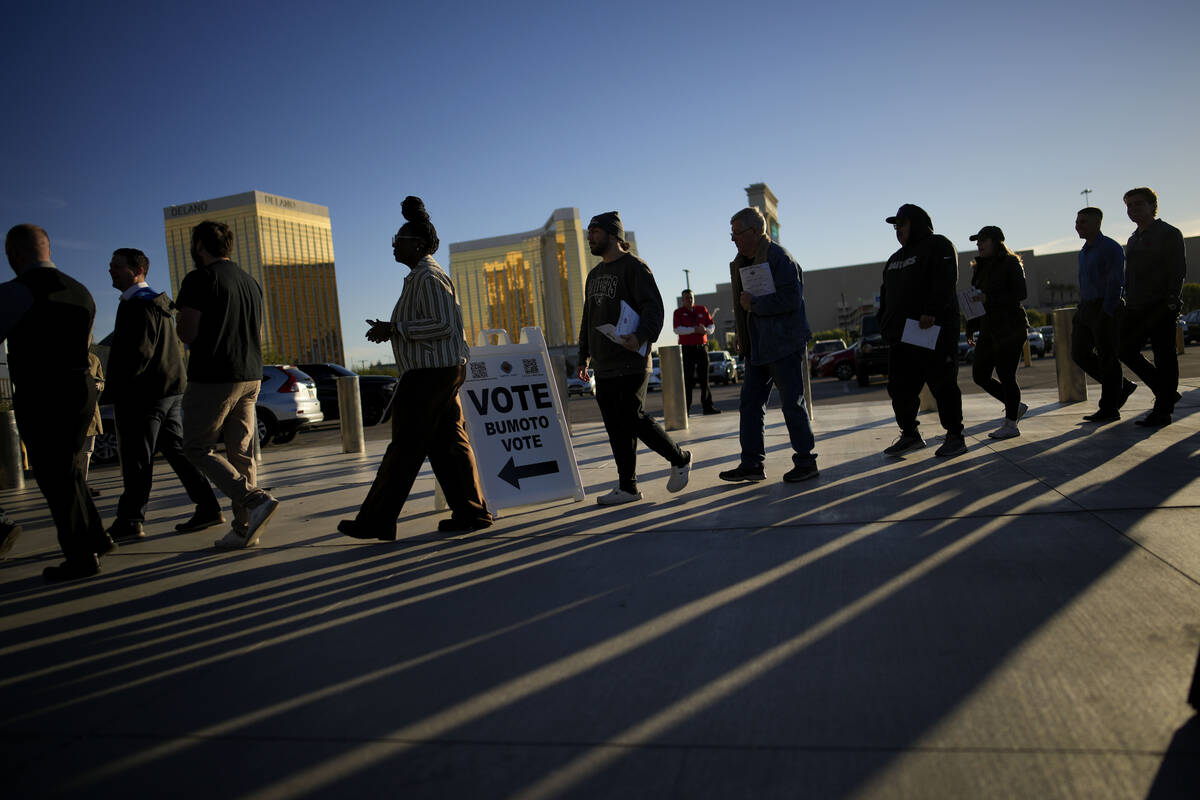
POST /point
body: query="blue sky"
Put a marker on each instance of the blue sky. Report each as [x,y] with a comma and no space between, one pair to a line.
[498,113]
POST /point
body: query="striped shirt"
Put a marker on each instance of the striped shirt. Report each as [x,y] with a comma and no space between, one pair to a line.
[428,321]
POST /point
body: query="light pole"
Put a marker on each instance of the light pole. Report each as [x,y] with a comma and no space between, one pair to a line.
[687,278]
[1085,194]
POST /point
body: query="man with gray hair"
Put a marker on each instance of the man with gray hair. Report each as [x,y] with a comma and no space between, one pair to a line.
[772,331]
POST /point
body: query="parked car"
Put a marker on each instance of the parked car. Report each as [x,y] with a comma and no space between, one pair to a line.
[820,349]
[839,364]
[721,367]
[104,450]
[287,403]
[1048,337]
[654,381]
[1037,343]
[576,386]
[1192,333]
[1184,326]
[374,391]
[872,356]
[966,350]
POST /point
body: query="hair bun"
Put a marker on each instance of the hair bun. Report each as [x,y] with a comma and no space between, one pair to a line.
[413,209]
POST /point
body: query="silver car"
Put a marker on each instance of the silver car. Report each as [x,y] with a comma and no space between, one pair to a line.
[287,403]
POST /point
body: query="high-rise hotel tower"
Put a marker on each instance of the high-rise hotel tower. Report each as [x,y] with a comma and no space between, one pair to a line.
[287,246]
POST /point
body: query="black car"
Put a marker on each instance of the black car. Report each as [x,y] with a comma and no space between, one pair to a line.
[872,357]
[1047,332]
[375,391]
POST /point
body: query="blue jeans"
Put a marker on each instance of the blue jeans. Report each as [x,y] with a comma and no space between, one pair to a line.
[787,374]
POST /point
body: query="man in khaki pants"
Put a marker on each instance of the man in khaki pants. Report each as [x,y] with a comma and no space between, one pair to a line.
[219,317]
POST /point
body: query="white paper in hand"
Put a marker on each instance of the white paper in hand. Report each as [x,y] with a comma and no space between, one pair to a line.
[627,324]
[757,280]
[969,303]
[921,337]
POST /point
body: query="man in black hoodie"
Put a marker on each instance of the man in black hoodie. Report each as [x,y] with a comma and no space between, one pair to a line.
[619,284]
[145,384]
[919,284]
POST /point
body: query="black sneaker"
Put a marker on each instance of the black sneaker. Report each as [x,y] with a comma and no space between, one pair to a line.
[363,530]
[953,445]
[797,474]
[201,520]
[9,533]
[453,525]
[906,442]
[1127,388]
[126,529]
[743,473]
[1155,419]
[1103,416]
[708,411]
[72,570]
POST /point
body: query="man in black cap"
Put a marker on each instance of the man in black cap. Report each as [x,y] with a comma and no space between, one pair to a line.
[1155,266]
[623,365]
[920,284]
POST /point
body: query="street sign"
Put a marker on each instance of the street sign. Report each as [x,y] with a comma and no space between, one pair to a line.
[517,423]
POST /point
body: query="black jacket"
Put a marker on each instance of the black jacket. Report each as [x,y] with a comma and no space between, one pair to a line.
[629,279]
[920,279]
[1002,281]
[145,360]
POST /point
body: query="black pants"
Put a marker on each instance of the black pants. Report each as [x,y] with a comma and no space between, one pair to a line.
[1094,348]
[911,367]
[1000,351]
[695,370]
[143,428]
[1156,323]
[53,416]
[427,422]
[621,401]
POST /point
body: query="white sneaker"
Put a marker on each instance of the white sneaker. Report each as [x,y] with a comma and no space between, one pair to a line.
[1007,430]
[1021,409]
[237,538]
[618,497]
[257,516]
[679,475]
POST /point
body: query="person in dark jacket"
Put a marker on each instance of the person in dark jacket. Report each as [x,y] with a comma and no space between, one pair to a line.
[920,284]
[145,385]
[1155,267]
[998,278]
[47,320]
[622,283]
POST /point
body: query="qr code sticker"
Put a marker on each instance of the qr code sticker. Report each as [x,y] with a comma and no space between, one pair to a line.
[478,370]
[530,366]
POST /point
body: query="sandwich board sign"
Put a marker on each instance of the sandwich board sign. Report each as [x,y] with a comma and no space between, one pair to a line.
[517,422]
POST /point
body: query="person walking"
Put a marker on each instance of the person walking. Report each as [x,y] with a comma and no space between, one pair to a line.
[1155,266]
[146,381]
[621,287]
[47,319]
[693,325]
[426,334]
[773,333]
[1096,322]
[920,285]
[998,278]
[220,312]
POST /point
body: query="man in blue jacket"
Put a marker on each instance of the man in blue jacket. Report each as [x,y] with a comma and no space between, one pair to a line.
[772,331]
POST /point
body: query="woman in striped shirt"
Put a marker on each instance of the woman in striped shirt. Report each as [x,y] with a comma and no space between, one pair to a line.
[426,334]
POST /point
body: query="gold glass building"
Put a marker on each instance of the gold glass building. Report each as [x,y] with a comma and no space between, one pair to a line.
[287,246]
[526,279]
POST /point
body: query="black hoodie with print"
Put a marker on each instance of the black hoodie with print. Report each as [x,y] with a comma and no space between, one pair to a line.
[920,279]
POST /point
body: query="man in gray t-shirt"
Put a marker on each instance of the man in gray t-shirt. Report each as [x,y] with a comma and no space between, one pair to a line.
[219,316]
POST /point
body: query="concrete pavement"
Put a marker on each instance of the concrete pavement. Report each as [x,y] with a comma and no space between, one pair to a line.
[1021,621]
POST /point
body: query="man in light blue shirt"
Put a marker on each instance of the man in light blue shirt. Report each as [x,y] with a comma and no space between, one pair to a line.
[1094,328]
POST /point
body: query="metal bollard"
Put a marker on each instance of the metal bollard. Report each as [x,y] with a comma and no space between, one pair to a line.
[927,401]
[1027,354]
[1072,388]
[12,467]
[350,415]
[670,366]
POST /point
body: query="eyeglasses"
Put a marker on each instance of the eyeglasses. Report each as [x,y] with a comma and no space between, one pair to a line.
[398,237]
[735,234]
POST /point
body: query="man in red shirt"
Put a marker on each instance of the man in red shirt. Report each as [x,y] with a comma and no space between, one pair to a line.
[694,325]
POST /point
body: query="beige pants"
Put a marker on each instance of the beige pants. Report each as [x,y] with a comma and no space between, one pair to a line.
[214,412]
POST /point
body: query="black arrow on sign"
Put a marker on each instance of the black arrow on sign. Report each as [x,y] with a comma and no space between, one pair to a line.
[513,474]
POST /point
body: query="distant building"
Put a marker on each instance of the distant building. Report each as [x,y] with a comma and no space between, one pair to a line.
[287,246]
[530,279]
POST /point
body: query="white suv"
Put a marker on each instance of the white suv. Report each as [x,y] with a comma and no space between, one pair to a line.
[287,402]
